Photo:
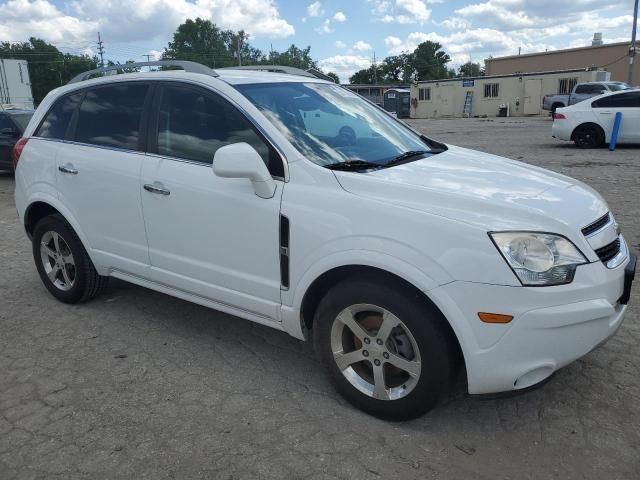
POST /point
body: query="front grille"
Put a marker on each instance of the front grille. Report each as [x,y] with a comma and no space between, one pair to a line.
[607,252]
[595,226]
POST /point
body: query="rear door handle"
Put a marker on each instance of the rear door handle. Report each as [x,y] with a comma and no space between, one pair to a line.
[150,187]
[68,168]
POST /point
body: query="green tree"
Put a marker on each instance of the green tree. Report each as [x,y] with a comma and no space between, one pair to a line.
[368,76]
[334,76]
[430,61]
[48,67]
[470,69]
[398,68]
[202,41]
[292,57]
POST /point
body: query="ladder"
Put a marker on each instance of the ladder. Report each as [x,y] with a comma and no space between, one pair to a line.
[468,103]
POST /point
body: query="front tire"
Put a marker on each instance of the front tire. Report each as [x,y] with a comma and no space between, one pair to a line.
[386,350]
[62,262]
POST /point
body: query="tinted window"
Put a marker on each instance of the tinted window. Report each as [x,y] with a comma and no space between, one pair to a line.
[111,116]
[193,124]
[22,120]
[583,89]
[57,120]
[5,122]
[621,100]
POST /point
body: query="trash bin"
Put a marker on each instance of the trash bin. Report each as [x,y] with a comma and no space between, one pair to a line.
[503,110]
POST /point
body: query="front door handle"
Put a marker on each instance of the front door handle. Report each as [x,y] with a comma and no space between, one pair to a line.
[150,187]
[68,168]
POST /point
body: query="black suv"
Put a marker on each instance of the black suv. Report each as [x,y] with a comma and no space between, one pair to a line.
[12,124]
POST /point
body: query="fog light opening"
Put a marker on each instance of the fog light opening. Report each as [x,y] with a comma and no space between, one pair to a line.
[532,377]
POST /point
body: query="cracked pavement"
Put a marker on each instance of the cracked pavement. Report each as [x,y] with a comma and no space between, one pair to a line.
[138,384]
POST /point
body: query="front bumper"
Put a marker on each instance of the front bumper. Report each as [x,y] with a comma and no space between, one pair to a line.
[552,326]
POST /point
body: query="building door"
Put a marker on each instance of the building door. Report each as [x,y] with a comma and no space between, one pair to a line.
[446,100]
[532,96]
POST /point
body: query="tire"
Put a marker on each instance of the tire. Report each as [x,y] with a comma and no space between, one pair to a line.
[371,305]
[62,262]
[588,135]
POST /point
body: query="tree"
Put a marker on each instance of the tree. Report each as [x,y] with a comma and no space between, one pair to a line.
[201,41]
[334,76]
[367,76]
[430,61]
[470,69]
[398,68]
[292,57]
[48,67]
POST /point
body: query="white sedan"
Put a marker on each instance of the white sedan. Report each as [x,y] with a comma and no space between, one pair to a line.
[590,123]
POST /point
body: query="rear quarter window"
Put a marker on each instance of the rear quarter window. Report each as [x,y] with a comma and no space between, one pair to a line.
[56,121]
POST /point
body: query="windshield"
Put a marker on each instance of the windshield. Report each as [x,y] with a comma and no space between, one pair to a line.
[614,87]
[22,120]
[331,125]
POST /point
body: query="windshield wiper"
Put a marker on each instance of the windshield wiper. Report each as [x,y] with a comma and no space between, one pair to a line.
[403,157]
[354,165]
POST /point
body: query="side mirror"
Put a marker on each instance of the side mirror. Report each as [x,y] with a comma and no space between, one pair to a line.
[240,160]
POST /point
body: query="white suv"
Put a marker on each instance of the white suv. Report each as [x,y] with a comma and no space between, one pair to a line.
[404,259]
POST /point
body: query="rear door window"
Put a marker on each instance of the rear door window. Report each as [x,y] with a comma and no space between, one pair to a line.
[621,100]
[111,116]
[56,121]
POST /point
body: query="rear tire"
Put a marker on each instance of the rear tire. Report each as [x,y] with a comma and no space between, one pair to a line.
[62,262]
[588,135]
[395,330]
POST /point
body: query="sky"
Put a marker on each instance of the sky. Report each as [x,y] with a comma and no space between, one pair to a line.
[344,35]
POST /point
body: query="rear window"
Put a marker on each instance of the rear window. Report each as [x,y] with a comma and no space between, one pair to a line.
[22,120]
[57,120]
[111,116]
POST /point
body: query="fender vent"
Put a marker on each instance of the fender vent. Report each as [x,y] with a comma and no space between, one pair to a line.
[284,251]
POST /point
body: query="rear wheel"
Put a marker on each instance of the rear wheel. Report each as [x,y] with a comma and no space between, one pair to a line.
[386,351]
[588,135]
[62,262]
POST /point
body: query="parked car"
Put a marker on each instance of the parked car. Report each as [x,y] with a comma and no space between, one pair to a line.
[590,124]
[404,259]
[581,92]
[13,121]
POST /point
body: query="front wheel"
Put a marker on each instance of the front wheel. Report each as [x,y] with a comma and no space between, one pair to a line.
[386,351]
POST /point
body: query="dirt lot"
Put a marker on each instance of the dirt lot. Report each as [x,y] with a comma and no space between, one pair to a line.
[140,384]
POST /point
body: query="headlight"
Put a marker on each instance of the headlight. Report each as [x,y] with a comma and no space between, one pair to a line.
[539,259]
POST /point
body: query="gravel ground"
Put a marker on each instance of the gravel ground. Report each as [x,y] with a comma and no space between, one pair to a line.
[138,384]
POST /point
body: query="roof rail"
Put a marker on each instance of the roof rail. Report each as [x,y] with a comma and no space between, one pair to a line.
[187,66]
[312,72]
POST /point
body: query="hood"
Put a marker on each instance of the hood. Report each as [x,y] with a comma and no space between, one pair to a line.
[485,190]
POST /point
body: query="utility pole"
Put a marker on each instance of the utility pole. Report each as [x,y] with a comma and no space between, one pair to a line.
[375,69]
[632,48]
[148,57]
[101,50]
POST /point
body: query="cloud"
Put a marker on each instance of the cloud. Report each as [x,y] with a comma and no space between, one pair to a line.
[77,22]
[325,27]
[315,10]
[344,65]
[340,17]
[339,44]
[361,46]
[400,11]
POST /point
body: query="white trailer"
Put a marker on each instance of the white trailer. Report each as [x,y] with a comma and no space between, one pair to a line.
[15,85]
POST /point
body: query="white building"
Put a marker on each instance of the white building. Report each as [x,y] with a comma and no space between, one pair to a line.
[521,93]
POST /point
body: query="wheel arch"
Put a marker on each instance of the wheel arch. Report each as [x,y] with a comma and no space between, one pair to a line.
[42,207]
[583,124]
[318,288]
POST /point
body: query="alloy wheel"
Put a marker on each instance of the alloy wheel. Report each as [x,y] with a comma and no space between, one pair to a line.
[375,351]
[58,261]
